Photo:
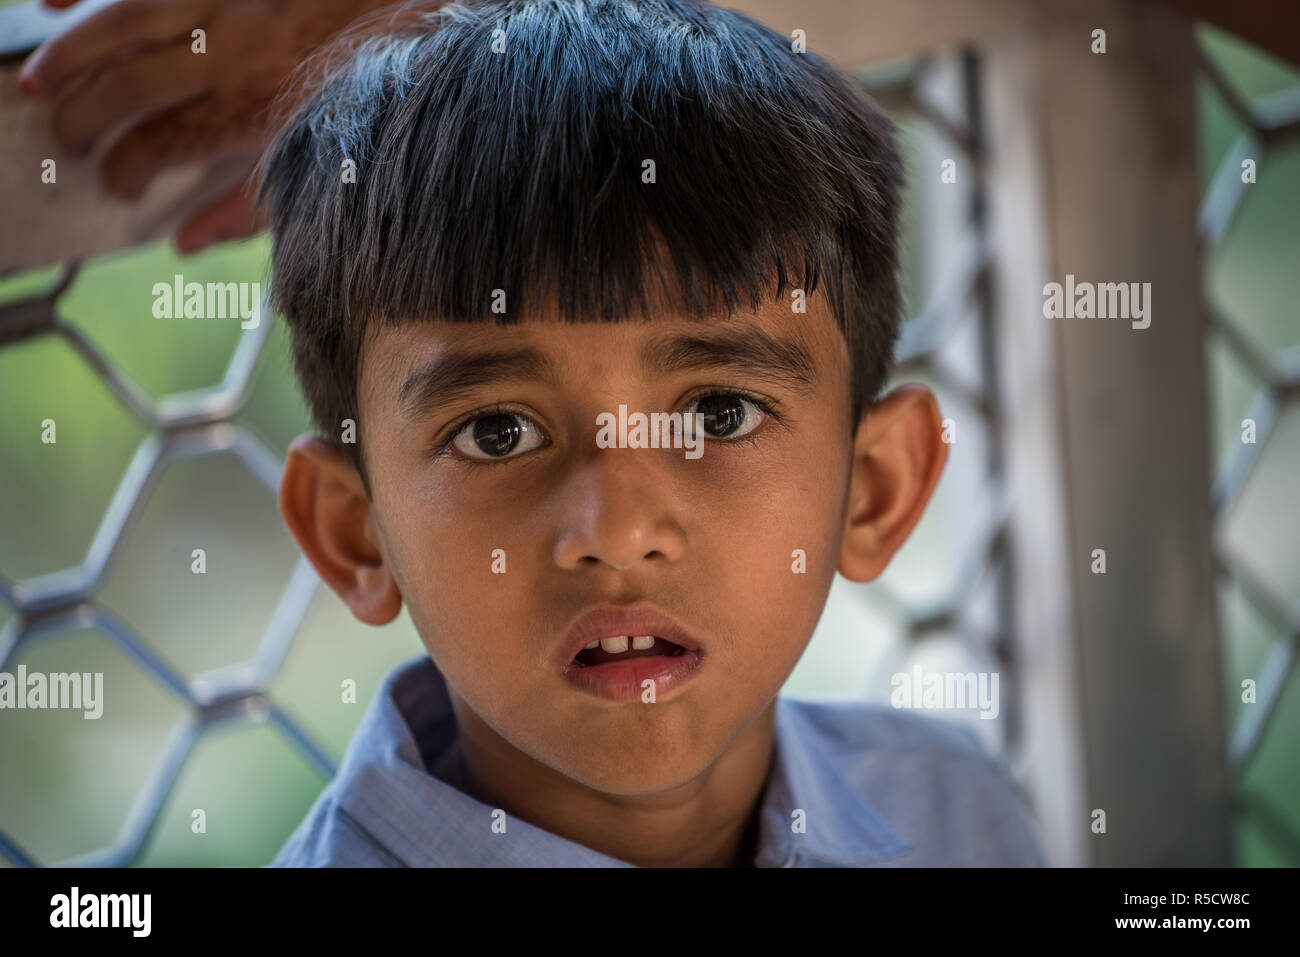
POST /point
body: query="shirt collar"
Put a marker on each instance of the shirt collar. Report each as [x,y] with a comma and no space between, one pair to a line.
[838,827]
[409,727]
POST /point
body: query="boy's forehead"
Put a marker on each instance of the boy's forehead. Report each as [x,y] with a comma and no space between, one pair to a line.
[805,349]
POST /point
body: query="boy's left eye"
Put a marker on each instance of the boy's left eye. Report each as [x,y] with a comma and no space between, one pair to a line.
[727,415]
[500,435]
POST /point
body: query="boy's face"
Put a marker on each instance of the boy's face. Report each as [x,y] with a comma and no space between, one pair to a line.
[499,520]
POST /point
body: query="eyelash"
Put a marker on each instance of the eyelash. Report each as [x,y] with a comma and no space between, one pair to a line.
[767,406]
[443,446]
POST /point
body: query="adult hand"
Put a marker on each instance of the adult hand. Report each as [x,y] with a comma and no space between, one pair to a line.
[137,62]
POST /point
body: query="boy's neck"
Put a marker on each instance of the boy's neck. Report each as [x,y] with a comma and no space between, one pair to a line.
[713,821]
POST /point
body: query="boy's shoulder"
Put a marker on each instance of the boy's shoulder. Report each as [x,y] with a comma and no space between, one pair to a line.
[868,726]
[931,780]
[871,724]
[330,837]
[875,785]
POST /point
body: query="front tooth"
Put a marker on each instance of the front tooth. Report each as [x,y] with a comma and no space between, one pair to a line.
[590,646]
[615,646]
[642,642]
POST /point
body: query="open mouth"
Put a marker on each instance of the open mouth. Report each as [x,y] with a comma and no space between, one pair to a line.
[629,653]
[625,648]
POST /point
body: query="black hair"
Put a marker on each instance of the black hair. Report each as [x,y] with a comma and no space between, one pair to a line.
[503,146]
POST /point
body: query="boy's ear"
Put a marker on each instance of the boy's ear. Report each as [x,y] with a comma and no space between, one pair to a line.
[325,507]
[898,456]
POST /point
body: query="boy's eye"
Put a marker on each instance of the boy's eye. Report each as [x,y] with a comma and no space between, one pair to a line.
[500,435]
[727,416]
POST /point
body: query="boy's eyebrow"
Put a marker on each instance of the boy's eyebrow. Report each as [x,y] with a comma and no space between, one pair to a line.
[747,349]
[457,371]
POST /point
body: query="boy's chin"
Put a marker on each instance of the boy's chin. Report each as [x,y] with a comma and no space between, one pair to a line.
[654,775]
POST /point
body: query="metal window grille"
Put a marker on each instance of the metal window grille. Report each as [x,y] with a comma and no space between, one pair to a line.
[949,342]
[1269,125]
[189,425]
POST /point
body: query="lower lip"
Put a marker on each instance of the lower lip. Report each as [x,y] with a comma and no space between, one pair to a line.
[625,680]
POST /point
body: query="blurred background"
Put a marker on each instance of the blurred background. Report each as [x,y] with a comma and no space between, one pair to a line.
[1121,692]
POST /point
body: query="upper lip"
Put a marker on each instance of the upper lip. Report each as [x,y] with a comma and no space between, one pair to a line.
[610,621]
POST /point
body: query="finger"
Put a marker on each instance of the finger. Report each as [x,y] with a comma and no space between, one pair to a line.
[137,85]
[121,25]
[196,130]
[233,216]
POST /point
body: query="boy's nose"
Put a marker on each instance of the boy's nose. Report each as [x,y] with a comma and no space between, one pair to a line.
[619,509]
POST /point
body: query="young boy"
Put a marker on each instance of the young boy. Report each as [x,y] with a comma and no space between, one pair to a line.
[592,302]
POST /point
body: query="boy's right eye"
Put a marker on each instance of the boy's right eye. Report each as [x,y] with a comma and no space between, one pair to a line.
[500,435]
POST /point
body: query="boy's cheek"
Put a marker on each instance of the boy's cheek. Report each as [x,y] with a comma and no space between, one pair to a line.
[791,532]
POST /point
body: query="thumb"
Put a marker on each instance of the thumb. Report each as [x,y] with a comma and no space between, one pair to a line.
[233,216]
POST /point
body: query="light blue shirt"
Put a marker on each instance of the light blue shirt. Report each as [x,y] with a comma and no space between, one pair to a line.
[877,786]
